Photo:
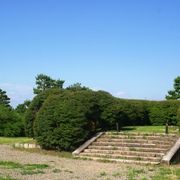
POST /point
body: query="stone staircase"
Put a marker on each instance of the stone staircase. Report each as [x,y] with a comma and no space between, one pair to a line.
[129,147]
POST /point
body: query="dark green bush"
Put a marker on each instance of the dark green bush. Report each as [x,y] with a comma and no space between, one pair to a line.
[34,107]
[162,112]
[11,124]
[66,120]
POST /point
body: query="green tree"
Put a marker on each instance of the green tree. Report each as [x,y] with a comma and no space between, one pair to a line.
[34,107]
[44,82]
[4,99]
[76,87]
[11,124]
[22,108]
[178,118]
[175,94]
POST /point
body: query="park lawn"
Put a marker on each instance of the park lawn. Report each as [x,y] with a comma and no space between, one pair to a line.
[12,140]
[150,129]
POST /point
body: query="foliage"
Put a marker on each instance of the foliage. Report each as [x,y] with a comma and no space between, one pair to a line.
[44,82]
[64,121]
[178,118]
[11,123]
[64,118]
[34,107]
[77,87]
[22,108]
[4,99]
[162,112]
[175,93]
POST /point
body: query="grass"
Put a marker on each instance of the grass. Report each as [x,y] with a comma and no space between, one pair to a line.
[150,129]
[2,177]
[103,173]
[169,173]
[25,169]
[12,140]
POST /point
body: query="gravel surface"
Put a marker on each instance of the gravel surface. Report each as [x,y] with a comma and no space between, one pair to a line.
[66,168]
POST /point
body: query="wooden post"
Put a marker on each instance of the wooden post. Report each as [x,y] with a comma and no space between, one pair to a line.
[167,129]
[117,126]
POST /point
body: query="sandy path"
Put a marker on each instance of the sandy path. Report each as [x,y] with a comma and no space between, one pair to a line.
[67,168]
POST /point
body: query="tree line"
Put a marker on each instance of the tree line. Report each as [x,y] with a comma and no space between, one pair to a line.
[63,118]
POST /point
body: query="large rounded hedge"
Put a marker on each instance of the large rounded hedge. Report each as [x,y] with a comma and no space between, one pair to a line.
[34,107]
[66,120]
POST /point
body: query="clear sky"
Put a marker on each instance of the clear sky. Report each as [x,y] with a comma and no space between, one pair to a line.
[130,48]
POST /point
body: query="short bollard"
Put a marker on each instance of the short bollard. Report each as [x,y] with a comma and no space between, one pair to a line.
[166,129]
[117,127]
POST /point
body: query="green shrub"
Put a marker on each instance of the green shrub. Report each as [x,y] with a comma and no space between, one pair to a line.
[178,118]
[34,107]
[11,123]
[66,120]
[162,112]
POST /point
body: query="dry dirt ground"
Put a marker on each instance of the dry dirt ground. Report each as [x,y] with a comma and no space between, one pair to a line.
[68,168]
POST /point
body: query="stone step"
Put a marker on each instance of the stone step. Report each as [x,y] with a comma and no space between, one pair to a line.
[166,138]
[124,144]
[135,141]
[118,156]
[141,134]
[120,160]
[125,152]
[142,149]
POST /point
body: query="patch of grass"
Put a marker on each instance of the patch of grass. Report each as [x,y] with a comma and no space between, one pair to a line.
[103,173]
[149,129]
[30,169]
[68,171]
[144,178]
[57,170]
[134,173]
[10,165]
[116,174]
[30,172]
[12,140]
[35,166]
[6,177]
[170,173]
[26,169]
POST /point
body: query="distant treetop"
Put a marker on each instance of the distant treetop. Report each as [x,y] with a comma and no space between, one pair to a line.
[44,82]
[4,99]
[175,93]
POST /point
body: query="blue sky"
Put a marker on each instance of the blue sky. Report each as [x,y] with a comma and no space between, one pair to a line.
[129,48]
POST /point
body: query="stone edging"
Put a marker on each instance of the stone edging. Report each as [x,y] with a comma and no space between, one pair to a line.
[167,158]
[87,143]
[27,146]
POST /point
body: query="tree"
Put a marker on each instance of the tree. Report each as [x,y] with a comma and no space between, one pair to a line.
[44,82]
[22,108]
[175,94]
[34,107]
[4,99]
[11,123]
[178,118]
[76,87]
